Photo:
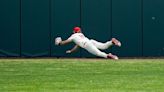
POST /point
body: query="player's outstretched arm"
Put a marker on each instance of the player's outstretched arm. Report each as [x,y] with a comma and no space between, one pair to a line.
[64,42]
[58,41]
[75,48]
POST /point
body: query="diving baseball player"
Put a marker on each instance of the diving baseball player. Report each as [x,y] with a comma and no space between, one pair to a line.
[92,46]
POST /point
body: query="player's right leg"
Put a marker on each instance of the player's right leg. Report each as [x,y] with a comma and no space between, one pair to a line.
[95,51]
[110,55]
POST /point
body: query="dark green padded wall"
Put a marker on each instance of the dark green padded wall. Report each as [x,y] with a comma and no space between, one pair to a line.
[96,21]
[126,26]
[10,28]
[65,15]
[28,27]
[153,25]
[35,32]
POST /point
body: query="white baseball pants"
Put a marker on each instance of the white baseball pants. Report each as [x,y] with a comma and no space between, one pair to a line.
[93,47]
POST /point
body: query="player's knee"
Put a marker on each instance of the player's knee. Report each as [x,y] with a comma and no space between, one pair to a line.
[98,54]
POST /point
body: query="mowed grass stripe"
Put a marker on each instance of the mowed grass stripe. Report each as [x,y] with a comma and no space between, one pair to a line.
[81,75]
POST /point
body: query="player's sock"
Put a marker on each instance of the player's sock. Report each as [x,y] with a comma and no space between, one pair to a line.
[116,42]
[110,55]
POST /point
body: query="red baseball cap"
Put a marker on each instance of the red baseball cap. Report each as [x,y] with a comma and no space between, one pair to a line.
[76,29]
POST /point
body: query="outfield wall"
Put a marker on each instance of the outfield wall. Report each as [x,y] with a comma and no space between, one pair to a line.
[28,27]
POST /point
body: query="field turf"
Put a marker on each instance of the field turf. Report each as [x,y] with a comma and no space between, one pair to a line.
[81,75]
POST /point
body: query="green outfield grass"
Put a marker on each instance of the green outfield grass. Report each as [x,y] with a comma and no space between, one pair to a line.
[81,75]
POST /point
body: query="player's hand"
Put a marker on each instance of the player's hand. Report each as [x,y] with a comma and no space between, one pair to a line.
[58,40]
[68,51]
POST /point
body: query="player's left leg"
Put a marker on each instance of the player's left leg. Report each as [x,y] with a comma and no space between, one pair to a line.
[116,42]
[95,51]
[101,45]
[106,45]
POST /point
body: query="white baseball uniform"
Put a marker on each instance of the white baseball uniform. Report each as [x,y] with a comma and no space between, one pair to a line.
[91,46]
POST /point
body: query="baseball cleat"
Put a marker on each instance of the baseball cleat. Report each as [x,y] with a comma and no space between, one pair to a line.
[116,42]
[110,55]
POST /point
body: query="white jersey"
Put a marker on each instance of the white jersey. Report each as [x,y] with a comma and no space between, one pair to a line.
[79,39]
